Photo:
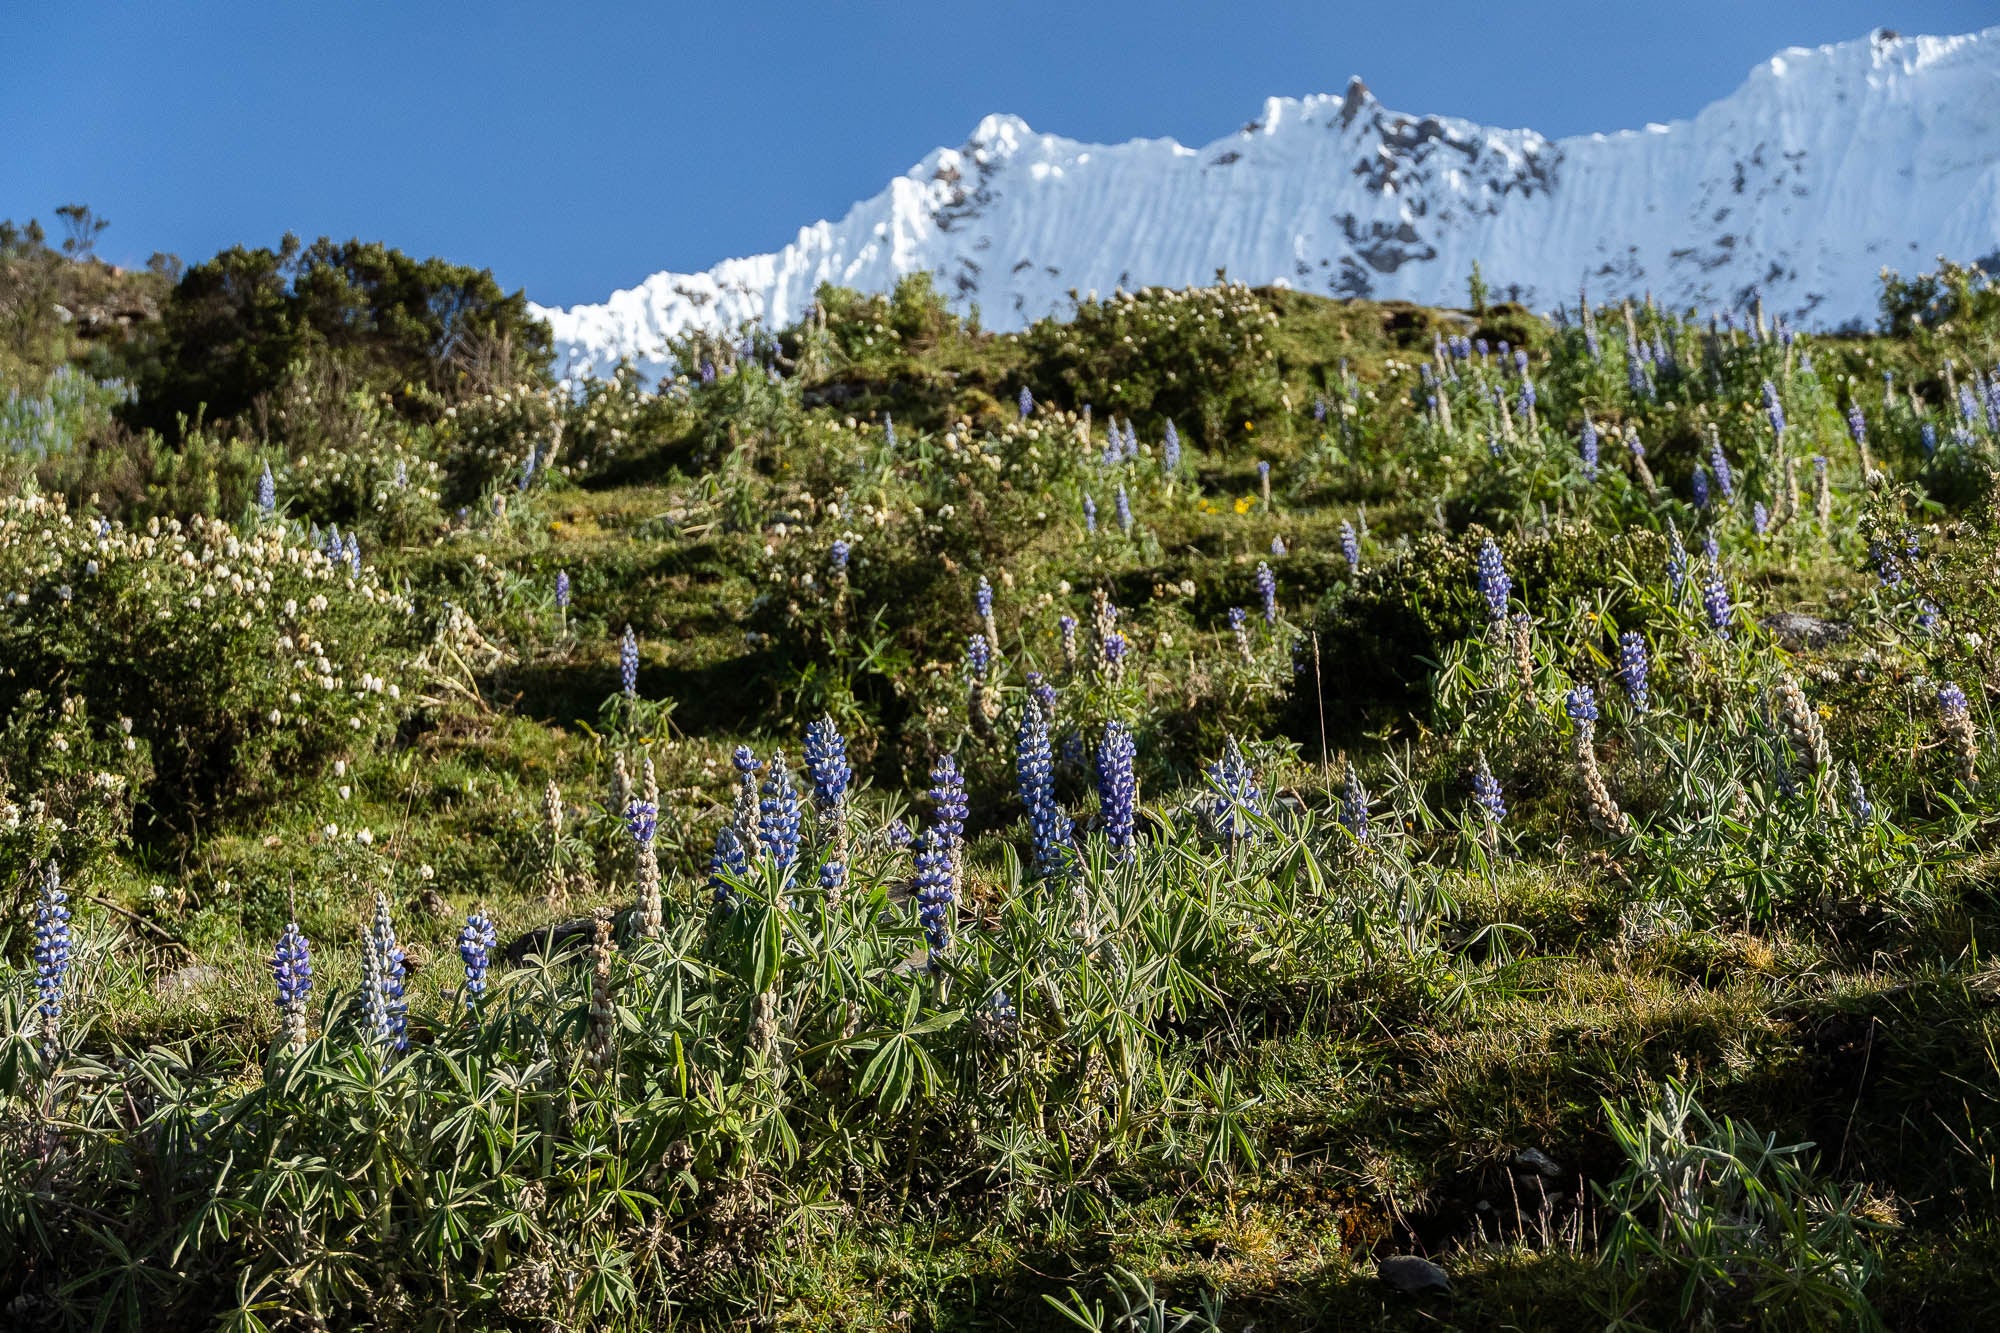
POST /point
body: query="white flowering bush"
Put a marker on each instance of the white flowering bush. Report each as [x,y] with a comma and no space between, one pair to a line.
[242,659]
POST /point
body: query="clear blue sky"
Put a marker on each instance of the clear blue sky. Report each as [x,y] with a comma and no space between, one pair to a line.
[576,148]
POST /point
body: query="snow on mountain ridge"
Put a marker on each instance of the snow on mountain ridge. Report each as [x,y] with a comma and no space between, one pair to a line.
[1825,165]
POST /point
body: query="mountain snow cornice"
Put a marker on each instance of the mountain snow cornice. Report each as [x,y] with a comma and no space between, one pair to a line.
[1824,167]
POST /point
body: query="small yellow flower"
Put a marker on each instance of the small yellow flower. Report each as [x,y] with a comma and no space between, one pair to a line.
[1249,425]
[1243,504]
[1826,710]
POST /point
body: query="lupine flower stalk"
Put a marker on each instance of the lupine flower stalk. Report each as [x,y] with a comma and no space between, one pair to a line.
[1955,720]
[291,973]
[1524,651]
[1494,584]
[476,943]
[949,810]
[778,816]
[831,776]
[1637,449]
[933,892]
[52,956]
[1117,787]
[1633,668]
[1267,592]
[1354,804]
[642,822]
[1802,726]
[1581,704]
[1234,798]
[726,864]
[1492,805]
[1034,771]
[603,1017]
[385,1010]
[628,663]
[746,809]
[1350,546]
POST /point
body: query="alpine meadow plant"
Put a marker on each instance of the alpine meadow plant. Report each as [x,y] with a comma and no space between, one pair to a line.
[53,945]
[1117,788]
[292,976]
[1034,767]
[476,942]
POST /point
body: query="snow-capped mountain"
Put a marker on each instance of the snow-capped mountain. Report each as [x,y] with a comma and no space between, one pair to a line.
[1825,166]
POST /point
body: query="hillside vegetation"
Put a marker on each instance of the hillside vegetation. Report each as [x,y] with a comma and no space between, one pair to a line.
[1131,824]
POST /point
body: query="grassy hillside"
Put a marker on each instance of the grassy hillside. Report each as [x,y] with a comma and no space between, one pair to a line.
[1434,783]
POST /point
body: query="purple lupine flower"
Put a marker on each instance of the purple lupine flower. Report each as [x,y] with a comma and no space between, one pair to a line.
[978,656]
[475,948]
[827,765]
[1581,705]
[291,973]
[1350,545]
[1117,787]
[832,877]
[1710,547]
[1700,484]
[1725,480]
[1677,560]
[1857,425]
[1024,402]
[1089,514]
[1319,409]
[982,598]
[1952,704]
[1234,799]
[934,895]
[897,833]
[1859,808]
[947,795]
[1494,584]
[1928,434]
[642,819]
[1715,602]
[1034,772]
[726,864]
[1170,448]
[1760,518]
[267,490]
[1066,625]
[838,555]
[1633,667]
[888,432]
[1114,446]
[628,663]
[1114,649]
[1277,546]
[53,944]
[1131,439]
[1124,506]
[385,1011]
[1267,590]
[1774,408]
[562,590]
[1354,804]
[1486,793]
[778,815]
